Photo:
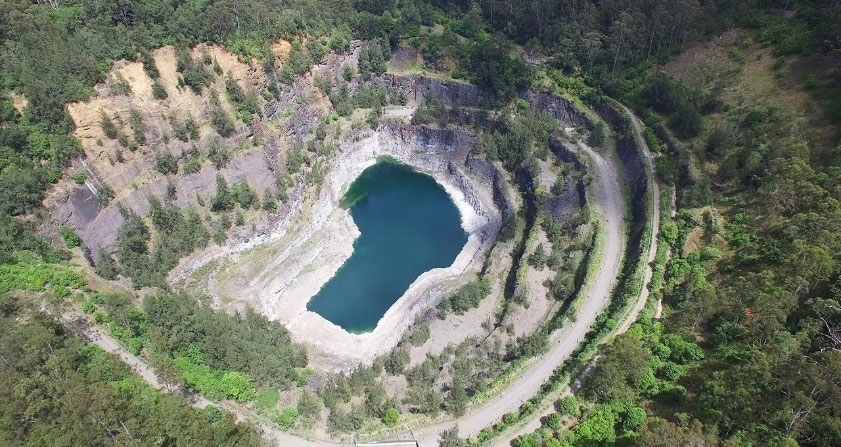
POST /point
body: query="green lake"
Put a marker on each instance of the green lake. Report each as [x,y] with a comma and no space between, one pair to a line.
[408,225]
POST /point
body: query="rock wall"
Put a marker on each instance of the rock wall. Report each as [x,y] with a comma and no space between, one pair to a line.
[490,174]
[557,107]
[573,197]
[419,88]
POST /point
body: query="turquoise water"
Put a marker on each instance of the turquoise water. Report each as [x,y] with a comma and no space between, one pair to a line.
[408,225]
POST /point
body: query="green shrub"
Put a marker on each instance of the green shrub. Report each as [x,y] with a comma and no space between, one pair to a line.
[392,417]
[108,127]
[266,400]
[31,273]
[159,91]
[79,177]
[286,418]
[467,297]
[71,239]
[106,267]
[214,384]
[88,307]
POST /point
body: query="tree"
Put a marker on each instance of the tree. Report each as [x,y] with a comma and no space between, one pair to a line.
[309,405]
[165,163]
[159,91]
[538,257]
[449,438]
[456,401]
[219,117]
[217,153]
[494,69]
[396,360]
[373,58]
[106,267]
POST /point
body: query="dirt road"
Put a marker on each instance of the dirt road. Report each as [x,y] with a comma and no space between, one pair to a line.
[654,188]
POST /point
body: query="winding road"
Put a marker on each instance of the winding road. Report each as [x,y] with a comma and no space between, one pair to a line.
[609,204]
[534,421]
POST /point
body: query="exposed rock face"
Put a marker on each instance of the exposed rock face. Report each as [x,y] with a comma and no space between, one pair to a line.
[98,226]
[489,173]
[418,88]
[573,195]
[131,174]
[557,107]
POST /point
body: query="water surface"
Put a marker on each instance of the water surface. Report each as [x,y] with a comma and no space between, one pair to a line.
[408,225]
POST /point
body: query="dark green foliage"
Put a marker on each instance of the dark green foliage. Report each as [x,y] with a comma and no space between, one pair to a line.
[104,195]
[538,258]
[242,195]
[671,98]
[309,405]
[186,129]
[159,91]
[686,120]
[194,74]
[373,58]
[179,233]
[138,126]
[419,336]
[18,236]
[106,267]
[108,127]
[21,190]
[190,162]
[468,297]
[247,104]
[262,348]
[149,65]
[83,383]
[217,153]
[720,139]
[526,134]
[166,163]
[396,360]
[493,68]
[219,118]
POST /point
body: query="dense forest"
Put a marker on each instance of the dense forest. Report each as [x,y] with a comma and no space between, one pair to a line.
[56,390]
[748,351]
